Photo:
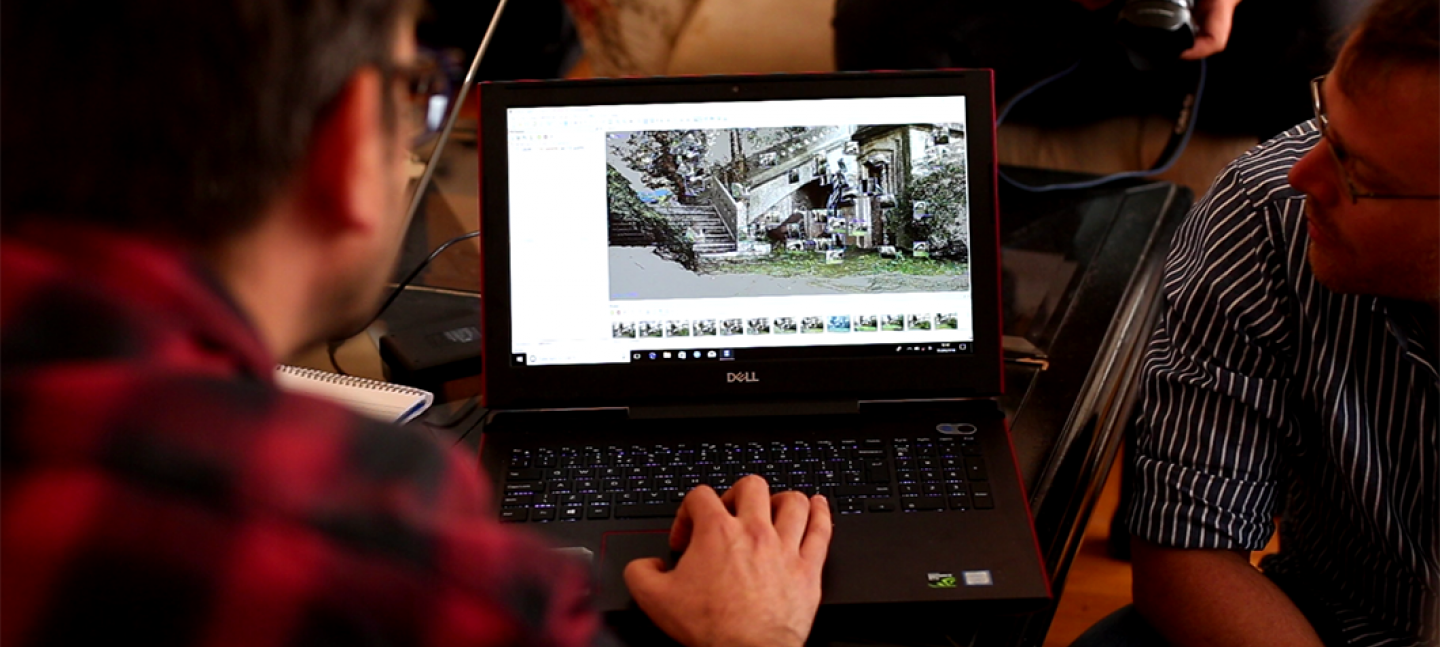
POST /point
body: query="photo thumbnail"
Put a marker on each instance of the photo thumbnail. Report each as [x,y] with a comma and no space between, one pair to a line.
[677,329]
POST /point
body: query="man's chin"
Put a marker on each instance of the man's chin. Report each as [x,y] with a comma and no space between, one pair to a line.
[354,301]
[1348,277]
[349,314]
[1329,271]
[349,327]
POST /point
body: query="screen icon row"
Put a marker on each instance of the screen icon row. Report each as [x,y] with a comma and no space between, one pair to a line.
[662,355]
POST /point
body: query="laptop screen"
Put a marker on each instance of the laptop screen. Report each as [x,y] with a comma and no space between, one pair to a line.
[726,231]
[707,240]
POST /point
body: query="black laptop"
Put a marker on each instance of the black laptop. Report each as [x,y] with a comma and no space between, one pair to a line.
[688,280]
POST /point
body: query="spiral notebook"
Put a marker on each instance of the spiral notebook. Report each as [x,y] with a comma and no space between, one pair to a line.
[380,400]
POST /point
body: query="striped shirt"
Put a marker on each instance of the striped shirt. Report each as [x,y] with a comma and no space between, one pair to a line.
[1264,391]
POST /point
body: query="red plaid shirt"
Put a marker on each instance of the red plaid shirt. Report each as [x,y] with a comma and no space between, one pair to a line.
[159,490]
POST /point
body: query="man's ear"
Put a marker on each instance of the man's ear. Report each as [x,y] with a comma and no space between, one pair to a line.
[344,172]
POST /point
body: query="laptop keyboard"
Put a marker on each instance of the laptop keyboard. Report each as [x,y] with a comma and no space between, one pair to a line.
[858,476]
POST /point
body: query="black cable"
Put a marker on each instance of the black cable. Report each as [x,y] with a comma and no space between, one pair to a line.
[330,348]
[479,424]
[465,435]
[405,283]
[1179,138]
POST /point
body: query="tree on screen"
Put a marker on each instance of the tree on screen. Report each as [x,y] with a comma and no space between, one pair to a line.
[670,159]
[933,209]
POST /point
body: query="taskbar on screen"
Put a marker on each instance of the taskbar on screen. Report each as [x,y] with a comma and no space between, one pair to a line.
[702,353]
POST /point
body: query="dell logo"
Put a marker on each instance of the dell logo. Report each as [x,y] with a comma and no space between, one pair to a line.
[741,377]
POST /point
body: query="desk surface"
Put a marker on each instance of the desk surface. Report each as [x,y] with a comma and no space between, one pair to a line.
[1081,275]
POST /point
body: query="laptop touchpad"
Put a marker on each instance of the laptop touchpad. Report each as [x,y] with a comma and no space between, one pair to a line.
[617,549]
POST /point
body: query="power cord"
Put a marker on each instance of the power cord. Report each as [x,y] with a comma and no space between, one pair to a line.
[1179,138]
[330,348]
[410,278]
[334,344]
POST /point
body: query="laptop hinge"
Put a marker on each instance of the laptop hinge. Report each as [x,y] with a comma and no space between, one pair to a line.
[978,401]
[748,409]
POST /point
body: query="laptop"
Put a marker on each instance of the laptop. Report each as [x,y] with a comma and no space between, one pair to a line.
[688,280]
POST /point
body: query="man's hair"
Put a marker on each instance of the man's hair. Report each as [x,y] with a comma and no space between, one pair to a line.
[1391,34]
[176,118]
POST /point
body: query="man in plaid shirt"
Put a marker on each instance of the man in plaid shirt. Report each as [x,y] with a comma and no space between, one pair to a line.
[193,189]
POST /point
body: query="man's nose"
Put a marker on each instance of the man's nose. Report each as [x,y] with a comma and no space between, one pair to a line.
[1317,175]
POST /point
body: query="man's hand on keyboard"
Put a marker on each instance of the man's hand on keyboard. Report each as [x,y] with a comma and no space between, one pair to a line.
[750,573]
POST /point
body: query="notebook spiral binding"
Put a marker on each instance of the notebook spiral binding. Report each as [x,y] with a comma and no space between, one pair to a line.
[351,380]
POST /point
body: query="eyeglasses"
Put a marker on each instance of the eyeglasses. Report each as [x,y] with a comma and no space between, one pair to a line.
[427,92]
[1342,156]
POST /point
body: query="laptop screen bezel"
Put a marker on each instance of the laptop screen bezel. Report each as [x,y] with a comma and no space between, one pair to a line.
[509,386]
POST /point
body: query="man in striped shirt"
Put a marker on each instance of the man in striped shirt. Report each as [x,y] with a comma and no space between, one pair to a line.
[1293,372]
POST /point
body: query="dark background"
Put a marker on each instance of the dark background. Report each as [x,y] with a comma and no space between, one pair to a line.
[535,39]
